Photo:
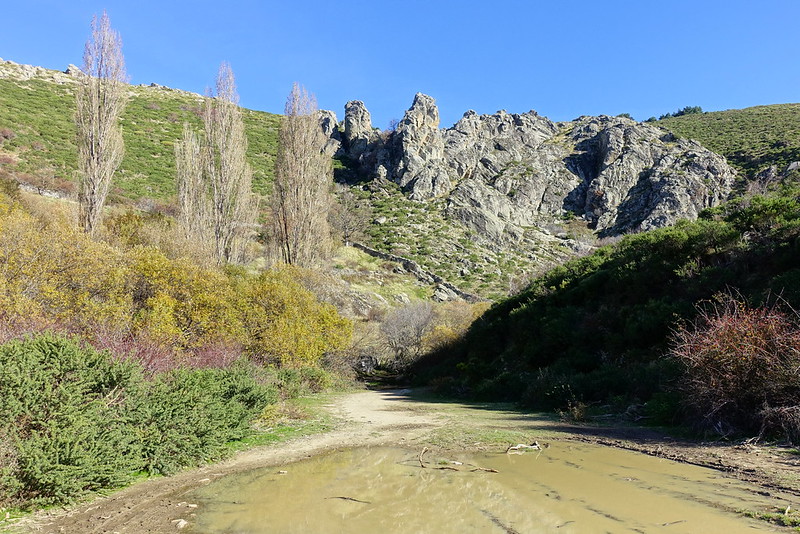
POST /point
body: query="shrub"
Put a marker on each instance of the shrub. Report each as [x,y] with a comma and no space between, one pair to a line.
[74,419]
[188,415]
[285,324]
[741,366]
[405,329]
[62,407]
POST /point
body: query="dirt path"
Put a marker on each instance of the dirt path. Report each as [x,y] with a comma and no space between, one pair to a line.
[392,418]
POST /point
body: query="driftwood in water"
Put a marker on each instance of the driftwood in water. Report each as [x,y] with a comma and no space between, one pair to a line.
[521,447]
[349,499]
[452,463]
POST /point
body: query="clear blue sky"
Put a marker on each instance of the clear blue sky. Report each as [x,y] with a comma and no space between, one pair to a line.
[563,59]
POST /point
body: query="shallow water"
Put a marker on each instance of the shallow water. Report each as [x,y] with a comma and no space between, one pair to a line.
[567,488]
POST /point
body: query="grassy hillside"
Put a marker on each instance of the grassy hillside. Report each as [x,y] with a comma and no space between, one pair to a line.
[751,138]
[38,137]
[37,146]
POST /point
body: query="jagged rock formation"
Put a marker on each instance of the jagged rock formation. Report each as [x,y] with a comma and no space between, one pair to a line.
[358,134]
[417,147]
[504,172]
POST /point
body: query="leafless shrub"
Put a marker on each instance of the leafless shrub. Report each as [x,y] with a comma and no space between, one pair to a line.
[405,329]
[347,215]
[7,134]
[742,366]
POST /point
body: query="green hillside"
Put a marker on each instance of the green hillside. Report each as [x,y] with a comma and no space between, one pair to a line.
[39,138]
[37,146]
[751,138]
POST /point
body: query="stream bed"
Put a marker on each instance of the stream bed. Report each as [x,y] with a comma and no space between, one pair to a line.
[565,488]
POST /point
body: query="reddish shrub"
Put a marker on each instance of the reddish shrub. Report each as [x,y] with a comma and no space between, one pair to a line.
[7,133]
[742,366]
[214,355]
[153,356]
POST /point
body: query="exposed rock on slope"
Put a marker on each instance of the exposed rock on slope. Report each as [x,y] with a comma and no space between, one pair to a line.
[417,148]
[504,172]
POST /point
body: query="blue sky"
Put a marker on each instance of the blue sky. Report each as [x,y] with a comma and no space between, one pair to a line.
[562,59]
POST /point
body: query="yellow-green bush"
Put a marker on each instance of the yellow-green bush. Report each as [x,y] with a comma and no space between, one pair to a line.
[52,273]
[285,323]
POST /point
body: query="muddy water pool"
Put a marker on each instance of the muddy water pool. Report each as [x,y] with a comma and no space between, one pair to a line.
[566,488]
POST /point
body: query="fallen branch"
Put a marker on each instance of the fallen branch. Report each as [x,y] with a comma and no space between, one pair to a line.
[453,462]
[349,499]
[485,469]
[521,447]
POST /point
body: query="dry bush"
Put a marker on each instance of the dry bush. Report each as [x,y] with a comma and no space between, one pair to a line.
[405,329]
[741,365]
[47,181]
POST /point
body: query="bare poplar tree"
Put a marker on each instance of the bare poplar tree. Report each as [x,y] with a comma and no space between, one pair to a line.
[230,178]
[101,97]
[215,191]
[301,196]
[193,199]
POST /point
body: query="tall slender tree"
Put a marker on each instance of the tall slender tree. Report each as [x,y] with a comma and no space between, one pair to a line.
[192,191]
[301,196]
[101,98]
[214,179]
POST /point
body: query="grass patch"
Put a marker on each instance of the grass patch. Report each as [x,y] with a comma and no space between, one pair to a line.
[287,420]
[751,139]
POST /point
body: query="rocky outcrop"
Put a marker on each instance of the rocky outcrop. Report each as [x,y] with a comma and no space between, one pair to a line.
[358,133]
[417,148]
[330,128]
[504,172]
[636,177]
[22,72]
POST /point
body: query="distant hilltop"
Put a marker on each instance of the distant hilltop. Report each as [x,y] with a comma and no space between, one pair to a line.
[20,71]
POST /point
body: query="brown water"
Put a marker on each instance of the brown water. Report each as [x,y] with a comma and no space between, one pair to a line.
[567,488]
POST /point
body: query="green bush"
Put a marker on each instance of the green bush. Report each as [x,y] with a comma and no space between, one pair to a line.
[188,415]
[597,327]
[63,410]
[76,420]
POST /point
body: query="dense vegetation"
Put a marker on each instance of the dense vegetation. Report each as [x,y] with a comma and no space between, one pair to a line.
[598,329]
[73,419]
[150,360]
